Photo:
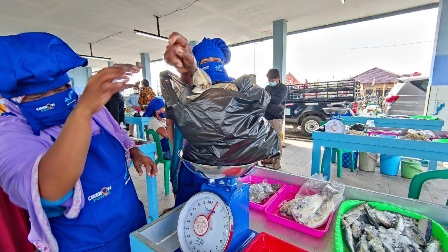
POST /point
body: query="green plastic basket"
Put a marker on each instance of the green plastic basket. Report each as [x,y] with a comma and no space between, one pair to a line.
[424,117]
[437,230]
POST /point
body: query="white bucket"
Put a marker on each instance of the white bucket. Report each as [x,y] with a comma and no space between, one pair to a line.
[367,161]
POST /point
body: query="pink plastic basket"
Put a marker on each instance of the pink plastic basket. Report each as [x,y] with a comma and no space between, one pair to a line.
[273,214]
[250,179]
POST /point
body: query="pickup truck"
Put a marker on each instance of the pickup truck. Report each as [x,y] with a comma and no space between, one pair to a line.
[305,102]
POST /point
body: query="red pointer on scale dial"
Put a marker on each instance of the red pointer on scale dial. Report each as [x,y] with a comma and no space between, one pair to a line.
[211,212]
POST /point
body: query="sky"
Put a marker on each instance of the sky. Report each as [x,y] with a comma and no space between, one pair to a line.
[400,44]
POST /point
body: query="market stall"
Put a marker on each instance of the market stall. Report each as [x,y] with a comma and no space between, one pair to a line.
[161,235]
[405,122]
[433,151]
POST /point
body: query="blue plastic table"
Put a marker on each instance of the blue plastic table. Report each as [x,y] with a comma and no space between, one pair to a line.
[396,123]
[140,122]
[396,147]
[149,150]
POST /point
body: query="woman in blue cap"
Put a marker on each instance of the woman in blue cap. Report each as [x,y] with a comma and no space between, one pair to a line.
[156,110]
[66,159]
[211,55]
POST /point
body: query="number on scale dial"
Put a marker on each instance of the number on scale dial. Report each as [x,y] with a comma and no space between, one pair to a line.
[205,224]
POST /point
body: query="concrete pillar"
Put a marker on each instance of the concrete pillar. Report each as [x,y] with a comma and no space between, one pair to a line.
[192,44]
[89,72]
[79,77]
[146,68]
[279,51]
[437,95]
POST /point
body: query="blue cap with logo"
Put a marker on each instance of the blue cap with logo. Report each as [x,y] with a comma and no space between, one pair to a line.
[34,62]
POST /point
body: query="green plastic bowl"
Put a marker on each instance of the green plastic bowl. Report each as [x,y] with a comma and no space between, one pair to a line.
[410,168]
[339,245]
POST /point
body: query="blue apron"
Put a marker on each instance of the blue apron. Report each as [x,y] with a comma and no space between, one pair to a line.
[111,211]
[189,183]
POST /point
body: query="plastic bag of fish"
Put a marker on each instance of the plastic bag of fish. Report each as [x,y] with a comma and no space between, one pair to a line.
[368,229]
[262,191]
[315,207]
[222,123]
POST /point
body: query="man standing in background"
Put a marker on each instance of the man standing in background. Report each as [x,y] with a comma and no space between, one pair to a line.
[275,112]
[116,108]
[132,103]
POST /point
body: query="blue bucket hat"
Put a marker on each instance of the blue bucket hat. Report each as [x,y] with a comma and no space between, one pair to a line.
[34,62]
[216,48]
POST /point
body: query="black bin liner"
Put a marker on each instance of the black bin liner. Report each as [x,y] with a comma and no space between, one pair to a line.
[222,127]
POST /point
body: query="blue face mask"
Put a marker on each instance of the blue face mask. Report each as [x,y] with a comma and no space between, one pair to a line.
[49,111]
[216,71]
[272,84]
[162,115]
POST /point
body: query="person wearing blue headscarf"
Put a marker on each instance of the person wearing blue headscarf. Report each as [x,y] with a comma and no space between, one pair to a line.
[211,55]
[156,110]
[64,158]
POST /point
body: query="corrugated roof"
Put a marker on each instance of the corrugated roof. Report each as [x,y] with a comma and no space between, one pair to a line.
[377,76]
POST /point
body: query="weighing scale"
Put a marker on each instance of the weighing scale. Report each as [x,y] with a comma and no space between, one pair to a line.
[217,218]
[335,124]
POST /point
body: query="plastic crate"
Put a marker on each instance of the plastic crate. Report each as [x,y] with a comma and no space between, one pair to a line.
[273,214]
[346,161]
[264,242]
[250,179]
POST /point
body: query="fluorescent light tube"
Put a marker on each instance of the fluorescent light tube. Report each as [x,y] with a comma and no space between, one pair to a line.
[94,57]
[150,35]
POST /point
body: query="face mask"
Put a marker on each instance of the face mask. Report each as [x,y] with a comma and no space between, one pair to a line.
[135,91]
[162,115]
[216,71]
[272,84]
[49,111]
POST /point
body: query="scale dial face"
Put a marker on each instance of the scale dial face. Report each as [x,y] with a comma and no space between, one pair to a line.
[335,126]
[205,224]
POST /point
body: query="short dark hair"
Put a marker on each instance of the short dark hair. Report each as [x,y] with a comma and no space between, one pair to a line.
[145,83]
[273,74]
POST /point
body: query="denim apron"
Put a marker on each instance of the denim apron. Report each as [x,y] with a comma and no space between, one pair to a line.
[111,211]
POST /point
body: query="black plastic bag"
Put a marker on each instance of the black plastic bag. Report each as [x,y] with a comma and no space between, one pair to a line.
[222,127]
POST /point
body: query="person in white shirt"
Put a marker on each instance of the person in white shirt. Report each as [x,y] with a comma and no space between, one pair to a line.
[156,110]
[132,103]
